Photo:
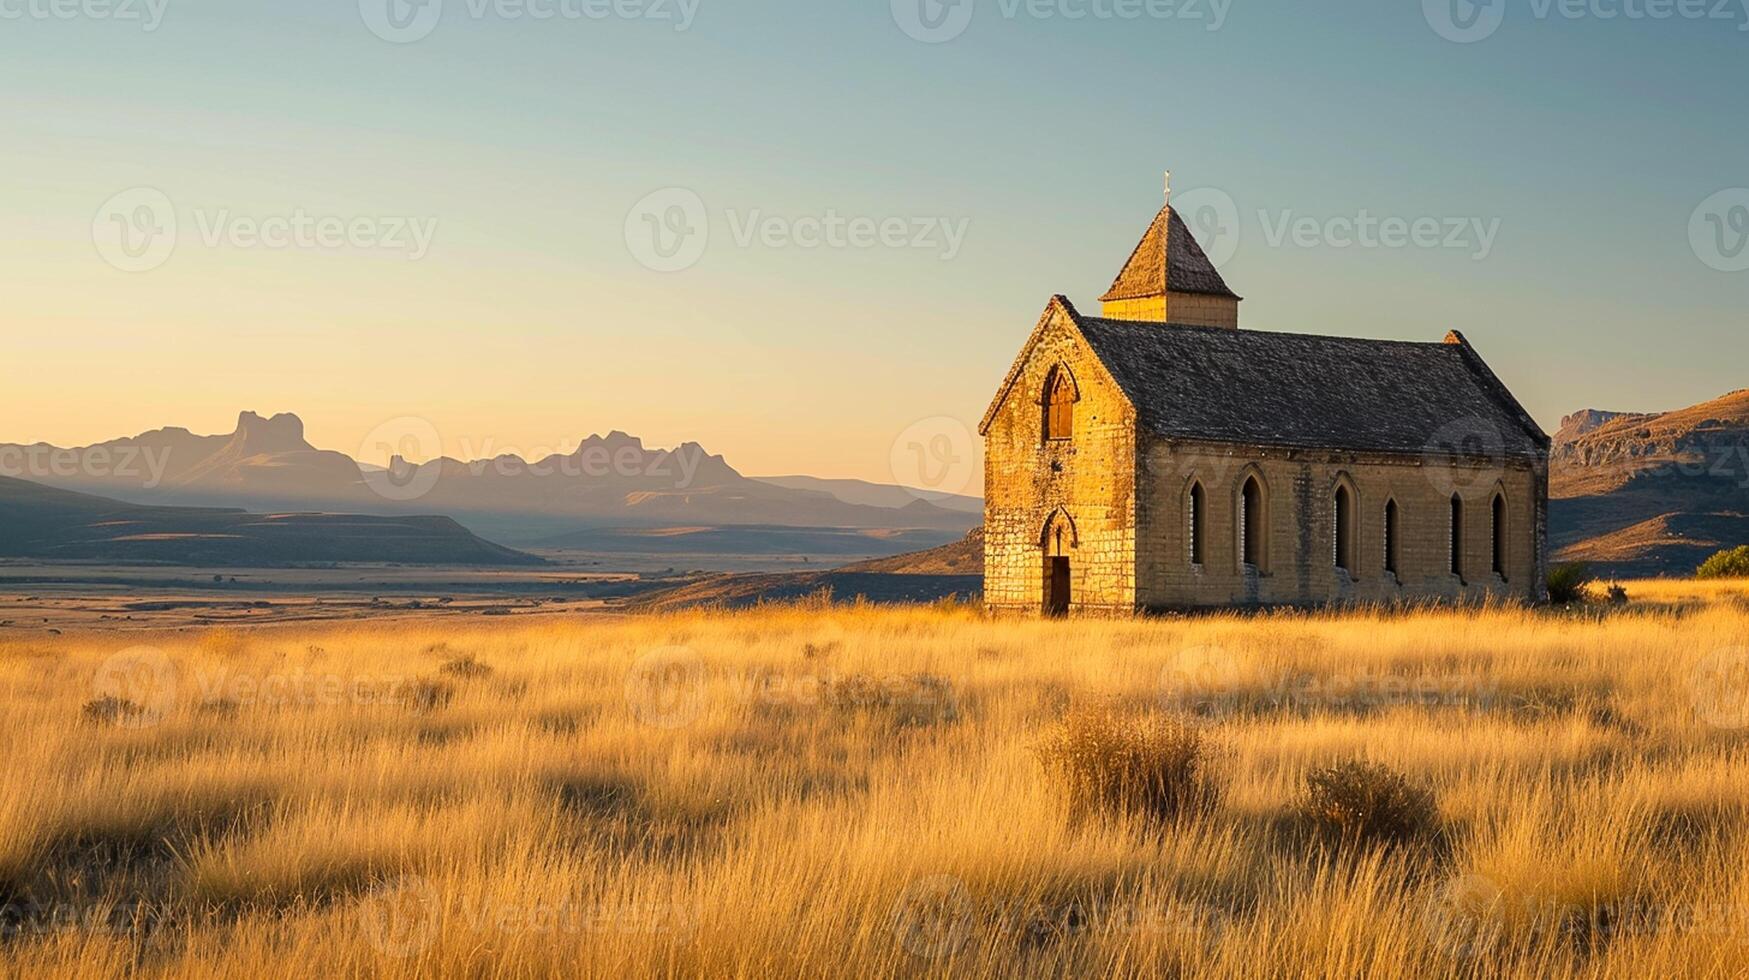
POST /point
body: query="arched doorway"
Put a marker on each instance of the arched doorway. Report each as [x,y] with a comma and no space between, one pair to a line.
[1059,546]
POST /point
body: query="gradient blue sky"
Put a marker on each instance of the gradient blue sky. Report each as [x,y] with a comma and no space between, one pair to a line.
[530,323]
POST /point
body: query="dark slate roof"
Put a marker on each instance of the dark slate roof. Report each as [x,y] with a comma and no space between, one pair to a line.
[1307,391]
[1167,258]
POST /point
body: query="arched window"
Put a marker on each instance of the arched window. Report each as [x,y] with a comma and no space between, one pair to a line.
[1499,535]
[1197,514]
[1391,536]
[1059,406]
[1457,536]
[1344,526]
[1253,525]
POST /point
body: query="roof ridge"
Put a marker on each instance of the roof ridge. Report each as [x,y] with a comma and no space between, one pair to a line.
[1228,331]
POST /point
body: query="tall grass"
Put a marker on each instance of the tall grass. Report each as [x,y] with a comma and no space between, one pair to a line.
[857,791]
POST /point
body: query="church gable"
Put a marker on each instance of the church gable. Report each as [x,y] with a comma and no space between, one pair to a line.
[1055,345]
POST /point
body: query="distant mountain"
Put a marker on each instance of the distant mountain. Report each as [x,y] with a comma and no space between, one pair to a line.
[878,494]
[609,481]
[1586,421]
[47,523]
[1651,493]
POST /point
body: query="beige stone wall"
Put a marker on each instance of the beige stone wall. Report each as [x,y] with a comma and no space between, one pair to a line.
[1091,478]
[1190,309]
[1196,310]
[1300,488]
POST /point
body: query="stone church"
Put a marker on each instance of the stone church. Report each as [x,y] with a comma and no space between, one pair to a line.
[1159,457]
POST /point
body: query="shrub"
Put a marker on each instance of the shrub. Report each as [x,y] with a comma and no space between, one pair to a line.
[1359,802]
[1567,583]
[465,667]
[1730,563]
[430,695]
[1151,766]
[110,710]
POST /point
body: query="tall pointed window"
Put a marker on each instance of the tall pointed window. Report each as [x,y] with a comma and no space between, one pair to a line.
[1197,512]
[1391,536]
[1343,518]
[1253,525]
[1457,536]
[1499,535]
[1059,406]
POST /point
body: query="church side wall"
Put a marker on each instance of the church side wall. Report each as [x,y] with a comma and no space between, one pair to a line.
[1090,477]
[1300,488]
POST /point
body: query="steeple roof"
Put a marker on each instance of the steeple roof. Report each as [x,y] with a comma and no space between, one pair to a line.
[1167,259]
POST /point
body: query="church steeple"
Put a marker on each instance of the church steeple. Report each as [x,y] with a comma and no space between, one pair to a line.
[1169,279]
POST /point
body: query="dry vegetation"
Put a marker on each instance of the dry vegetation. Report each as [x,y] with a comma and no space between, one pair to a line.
[859,792]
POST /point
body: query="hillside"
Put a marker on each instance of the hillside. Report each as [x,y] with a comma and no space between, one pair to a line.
[921,576]
[1651,493]
[45,523]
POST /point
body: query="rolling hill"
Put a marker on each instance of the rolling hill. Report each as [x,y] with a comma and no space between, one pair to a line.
[1651,493]
[46,523]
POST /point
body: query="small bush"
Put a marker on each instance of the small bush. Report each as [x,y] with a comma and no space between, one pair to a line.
[1151,766]
[111,710]
[466,667]
[1567,583]
[430,695]
[1359,802]
[1618,594]
[1730,563]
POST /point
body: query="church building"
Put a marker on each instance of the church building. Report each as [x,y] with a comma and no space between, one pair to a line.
[1159,457]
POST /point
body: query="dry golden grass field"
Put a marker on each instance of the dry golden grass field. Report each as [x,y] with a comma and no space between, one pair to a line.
[850,791]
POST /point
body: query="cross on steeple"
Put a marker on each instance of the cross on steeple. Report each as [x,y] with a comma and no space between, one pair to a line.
[1168,188]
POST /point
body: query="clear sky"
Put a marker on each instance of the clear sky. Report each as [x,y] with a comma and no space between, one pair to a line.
[1565,157]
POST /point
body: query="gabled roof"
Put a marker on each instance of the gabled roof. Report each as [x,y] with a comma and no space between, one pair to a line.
[1300,390]
[1167,258]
